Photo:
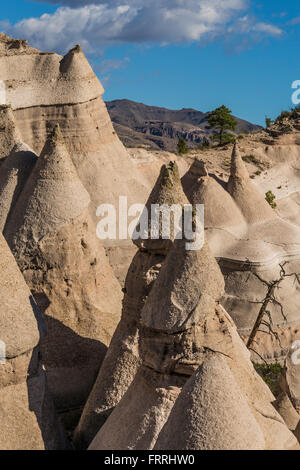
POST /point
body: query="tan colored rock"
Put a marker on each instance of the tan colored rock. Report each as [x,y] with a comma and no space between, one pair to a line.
[54,242]
[163,353]
[45,88]
[14,173]
[297,432]
[9,134]
[122,359]
[290,378]
[172,347]
[221,211]
[28,419]
[287,411]
[211,413]
[249,239]
[250,201]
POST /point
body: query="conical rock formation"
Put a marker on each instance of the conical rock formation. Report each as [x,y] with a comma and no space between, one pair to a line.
[172,347]
[251,242]
[221,211]
[211,414]
[251,202]
[166,347]
[122,359]
[27,416]
[44,88]
[54,242]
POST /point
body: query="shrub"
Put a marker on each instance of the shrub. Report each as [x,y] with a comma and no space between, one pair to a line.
[271,375]
[181,146]
[270,198]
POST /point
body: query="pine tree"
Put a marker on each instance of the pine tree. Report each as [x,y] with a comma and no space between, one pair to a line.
[181,146]
[221,120]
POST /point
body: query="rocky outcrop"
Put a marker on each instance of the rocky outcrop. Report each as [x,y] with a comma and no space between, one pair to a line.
[182,328]
[54,242]
[251,242]
[9,134]
[122,360]
[287,411]
[44,88]
[28,419]
[211,413]
[252,204]
[202,188]
[14,173]
[290,379]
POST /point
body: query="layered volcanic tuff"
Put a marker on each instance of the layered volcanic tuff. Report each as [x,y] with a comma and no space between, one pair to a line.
[122,360]
[53,239]
[184,332]
[251,242]
[43,89]
[28,419]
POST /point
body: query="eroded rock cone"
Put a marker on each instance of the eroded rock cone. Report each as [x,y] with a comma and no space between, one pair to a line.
[166,348]
[251,202]
[182,325]
[9,135]
[27,416]
[211,413]
[14,173]
[54,242]
[122,359]
[221,211]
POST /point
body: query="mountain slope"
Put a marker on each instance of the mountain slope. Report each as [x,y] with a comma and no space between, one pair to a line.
[159,128]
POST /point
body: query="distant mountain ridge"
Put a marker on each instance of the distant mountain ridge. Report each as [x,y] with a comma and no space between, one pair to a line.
[156,128]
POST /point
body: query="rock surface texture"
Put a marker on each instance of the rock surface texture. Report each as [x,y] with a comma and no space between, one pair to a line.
[123,360]
[184,333]
[251,242]
[53,239]
[28,419]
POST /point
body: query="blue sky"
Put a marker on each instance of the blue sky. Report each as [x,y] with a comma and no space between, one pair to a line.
[174,53]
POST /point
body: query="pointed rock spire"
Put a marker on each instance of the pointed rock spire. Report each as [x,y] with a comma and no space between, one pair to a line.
[198,168]
[220,209]
[122,360]
[54,242]
[15,171]
[75,66]
[251,202]
[238,168]
[52,196]
[189,285]
[211,413]
[167,192]
[188,329]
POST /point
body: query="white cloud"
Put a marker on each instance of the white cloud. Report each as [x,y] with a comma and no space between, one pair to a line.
[97,24]
[109,65]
